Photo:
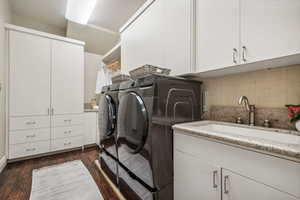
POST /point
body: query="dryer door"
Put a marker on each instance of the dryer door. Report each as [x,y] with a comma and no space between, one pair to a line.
[107,123]
[133,122]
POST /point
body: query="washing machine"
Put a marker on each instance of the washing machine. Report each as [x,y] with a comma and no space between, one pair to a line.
[107,123]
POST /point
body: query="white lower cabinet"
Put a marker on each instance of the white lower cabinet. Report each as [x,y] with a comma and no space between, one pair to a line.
[28,136]
[195,179]
[208,170]
[28,149]
[237,187]
[66,132]
[66,143]
[90,128]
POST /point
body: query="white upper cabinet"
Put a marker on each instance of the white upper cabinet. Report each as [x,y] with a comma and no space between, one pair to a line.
[67,78]
[179,25]
[217,34]
[161,36]
[239,32]
[142,41]
[270,28]
[29,74]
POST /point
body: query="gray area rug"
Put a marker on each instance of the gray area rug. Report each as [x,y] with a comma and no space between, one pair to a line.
[67,181]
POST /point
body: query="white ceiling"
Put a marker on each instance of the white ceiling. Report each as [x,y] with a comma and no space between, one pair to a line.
[48,11]
[113,14]
[97,41]
[108,14]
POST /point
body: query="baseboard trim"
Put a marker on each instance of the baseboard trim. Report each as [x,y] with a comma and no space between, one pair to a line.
[3,162]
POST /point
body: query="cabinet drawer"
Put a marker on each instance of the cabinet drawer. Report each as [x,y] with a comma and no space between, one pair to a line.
[22,123]
[28,149]
[27,136]
[66,143]
[67,131]
[67,120]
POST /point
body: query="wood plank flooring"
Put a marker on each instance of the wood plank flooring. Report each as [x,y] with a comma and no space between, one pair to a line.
[15,180]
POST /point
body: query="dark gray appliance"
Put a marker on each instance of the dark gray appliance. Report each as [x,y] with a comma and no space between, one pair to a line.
[107,122]
[148,108]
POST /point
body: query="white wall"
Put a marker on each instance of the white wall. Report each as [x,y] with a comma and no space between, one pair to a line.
[4,18]
[32,23]
[92,64]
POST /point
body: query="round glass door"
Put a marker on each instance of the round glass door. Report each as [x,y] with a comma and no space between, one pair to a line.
[107,115]
[132,122]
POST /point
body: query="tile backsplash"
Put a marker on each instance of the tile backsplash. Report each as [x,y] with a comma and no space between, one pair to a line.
[270,90]
[278,117]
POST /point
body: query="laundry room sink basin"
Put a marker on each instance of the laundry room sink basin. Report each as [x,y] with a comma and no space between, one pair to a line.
[232,130]
[285,143]
[243,133]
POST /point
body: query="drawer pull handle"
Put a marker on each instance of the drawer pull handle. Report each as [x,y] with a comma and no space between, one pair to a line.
[32,149]
[67,120]
[244,53]
[234,55]
[30,123]
[30,136]
[226,179]
[67,132]
[215,173]
[66,144]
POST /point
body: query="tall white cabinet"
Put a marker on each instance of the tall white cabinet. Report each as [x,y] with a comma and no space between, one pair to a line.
[46,92]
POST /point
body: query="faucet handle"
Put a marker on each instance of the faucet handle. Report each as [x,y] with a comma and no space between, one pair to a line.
[239,120]
[252,107]
[267,123]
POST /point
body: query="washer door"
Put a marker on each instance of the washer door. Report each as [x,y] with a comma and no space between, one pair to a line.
[107,115]
[133,122]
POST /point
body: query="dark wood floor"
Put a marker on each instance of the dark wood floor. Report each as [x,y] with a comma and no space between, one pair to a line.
[15,180]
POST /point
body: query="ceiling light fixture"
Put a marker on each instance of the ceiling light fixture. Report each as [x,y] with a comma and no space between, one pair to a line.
[79,11]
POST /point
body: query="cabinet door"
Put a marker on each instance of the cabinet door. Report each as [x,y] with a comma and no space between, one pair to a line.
[270,28]
[142,41]
[237,187]
[178,38]
[97,130]
[90,127]
[29,74]
[194,179]
[217,34]
[67,78]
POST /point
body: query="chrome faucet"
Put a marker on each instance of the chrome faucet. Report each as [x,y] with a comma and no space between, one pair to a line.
[250,108]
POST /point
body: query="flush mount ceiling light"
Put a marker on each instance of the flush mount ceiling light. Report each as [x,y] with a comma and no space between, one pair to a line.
[79,11]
